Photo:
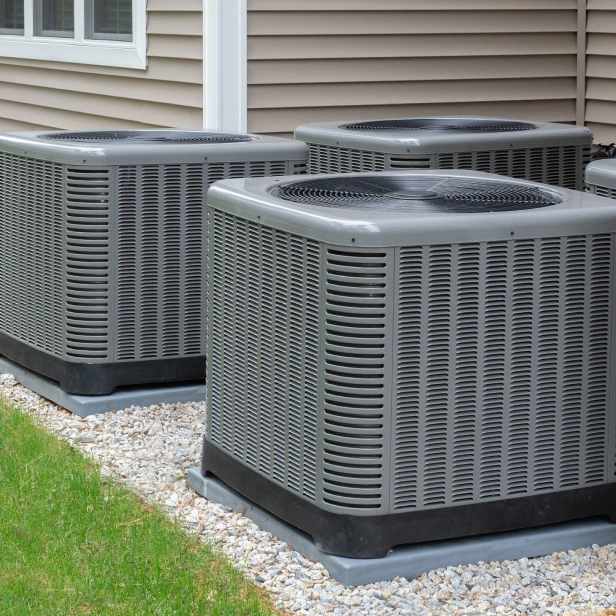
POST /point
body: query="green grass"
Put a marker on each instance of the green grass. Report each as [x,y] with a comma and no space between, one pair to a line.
[72,542]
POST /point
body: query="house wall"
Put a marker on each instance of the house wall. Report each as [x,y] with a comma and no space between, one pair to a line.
[319,60]
[601,70]
[38,94]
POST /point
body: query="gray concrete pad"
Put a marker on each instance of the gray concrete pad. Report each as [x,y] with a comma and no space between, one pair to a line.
[122,398]
[412,560]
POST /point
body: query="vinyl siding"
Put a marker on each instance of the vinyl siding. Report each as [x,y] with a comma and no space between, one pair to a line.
[37,94]
[321,60]
[601,70]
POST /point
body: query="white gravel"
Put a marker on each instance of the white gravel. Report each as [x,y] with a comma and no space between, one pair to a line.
[151,448]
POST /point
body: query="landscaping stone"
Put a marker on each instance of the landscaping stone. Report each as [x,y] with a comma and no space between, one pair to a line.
[151,448]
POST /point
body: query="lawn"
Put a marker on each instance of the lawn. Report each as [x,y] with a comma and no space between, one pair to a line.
[72,542]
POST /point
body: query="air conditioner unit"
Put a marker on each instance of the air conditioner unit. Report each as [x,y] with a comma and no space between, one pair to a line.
[102,249]
[601,178]
[537,151]
[408,357]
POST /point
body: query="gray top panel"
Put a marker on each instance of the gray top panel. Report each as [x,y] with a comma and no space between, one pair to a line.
[255,199]
[442,141]
[602,173]
[160,150]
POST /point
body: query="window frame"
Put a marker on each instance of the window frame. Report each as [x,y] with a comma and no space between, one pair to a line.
[78,49]
[13,31]
[37,20]
[91,35]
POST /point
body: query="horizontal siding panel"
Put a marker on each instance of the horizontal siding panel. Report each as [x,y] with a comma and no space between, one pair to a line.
[601,89]
[169,6]
[333,60]
[419,5]
[601,21]
[190,47]
[601,44]
[176,70]
[420,45]
[60,119]
[346,70]
[480,90]
[285,120]
[285,23]
[176,23]
[606,5]
[601,66]
[126,88]
[601,111]
[7,125]
[114,109]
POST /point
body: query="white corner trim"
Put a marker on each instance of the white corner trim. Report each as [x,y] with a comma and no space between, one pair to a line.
[78,50]
[225,65]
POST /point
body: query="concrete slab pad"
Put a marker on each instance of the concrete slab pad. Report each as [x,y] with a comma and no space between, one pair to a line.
[122,398]
[412,560]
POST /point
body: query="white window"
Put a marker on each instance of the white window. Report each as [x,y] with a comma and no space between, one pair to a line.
[99,32]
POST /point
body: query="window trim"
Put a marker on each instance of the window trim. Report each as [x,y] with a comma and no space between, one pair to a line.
[79,49]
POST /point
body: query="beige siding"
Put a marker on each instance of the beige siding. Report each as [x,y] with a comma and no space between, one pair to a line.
[601,70]
[321,60]
[38,94]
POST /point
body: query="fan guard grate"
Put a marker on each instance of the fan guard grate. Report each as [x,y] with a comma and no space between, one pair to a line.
[417,194]
[443,124]
[166,136]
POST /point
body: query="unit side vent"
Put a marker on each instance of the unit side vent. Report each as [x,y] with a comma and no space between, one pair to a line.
[31,251]
[160,280]
[161,283]
[263,326]
[560,166]
[603,191]
[221,171]
[328,159]
[87,263]
[513,404]
[410,162]
[355,396]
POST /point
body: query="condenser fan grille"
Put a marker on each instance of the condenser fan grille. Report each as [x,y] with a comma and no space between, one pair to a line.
[166,136]
[442,124]
[427,194]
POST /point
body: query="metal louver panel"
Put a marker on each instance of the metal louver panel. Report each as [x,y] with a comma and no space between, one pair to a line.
[328,159]
[160,279]
[602,191]
[494,398]
[559,166]
[87,262]
[356,393]
[263,326]
[221,171]
[161,282]
[32,251]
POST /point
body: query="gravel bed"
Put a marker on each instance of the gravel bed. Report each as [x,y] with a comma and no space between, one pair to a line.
[150,449]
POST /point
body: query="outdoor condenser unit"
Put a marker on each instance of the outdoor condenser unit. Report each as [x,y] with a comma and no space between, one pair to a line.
[407,357]
[537,151]
[601,178]
[102,268]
